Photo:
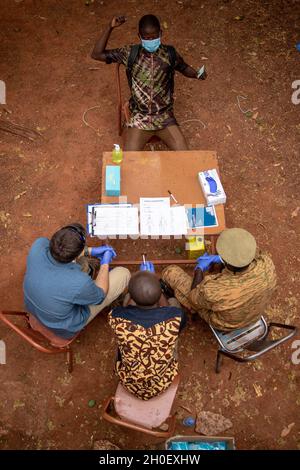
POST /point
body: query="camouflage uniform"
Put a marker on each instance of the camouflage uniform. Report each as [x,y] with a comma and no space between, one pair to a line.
[151,102]
[227,300]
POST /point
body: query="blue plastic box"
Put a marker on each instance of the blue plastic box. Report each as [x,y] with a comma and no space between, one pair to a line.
[112,180]
[200,443]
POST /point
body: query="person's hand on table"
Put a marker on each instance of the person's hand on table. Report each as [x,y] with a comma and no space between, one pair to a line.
[205,261]
[99,252]
[108,256]
[147,266]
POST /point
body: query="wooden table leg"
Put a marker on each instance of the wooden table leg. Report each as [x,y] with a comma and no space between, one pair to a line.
[154,261]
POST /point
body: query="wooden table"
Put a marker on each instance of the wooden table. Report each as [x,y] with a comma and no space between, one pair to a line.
[152,174]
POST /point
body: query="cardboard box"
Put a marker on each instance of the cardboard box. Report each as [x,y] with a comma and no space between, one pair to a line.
[112,180]
[195,246]
[212,188]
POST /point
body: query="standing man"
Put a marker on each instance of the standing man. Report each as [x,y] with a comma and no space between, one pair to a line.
[239,294]
[150,68]
[58,293]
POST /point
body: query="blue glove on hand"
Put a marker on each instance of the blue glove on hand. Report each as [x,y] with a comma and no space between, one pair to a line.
[108,256]
[147,266]
[205,261]
[98,251]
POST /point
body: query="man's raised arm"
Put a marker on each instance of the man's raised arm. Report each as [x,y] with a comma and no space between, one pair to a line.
[100,46]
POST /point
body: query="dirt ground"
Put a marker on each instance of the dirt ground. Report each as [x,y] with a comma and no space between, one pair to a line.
[249,50]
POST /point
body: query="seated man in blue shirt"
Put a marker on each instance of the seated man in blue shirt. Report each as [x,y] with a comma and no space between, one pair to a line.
[58,293]
[146,331]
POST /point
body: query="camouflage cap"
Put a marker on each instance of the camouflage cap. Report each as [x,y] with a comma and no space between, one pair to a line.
[236,247]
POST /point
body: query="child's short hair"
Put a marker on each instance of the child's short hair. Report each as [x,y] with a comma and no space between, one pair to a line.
[149,21]
[144,288]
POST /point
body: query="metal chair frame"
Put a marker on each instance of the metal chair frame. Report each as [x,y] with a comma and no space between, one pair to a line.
[37,339]
[260,343]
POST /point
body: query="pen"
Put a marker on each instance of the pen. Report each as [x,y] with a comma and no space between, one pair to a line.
[144,258]
[171,195]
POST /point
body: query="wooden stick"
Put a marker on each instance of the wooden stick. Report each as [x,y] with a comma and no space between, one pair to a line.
[155,261]
[16,129]
[10,131]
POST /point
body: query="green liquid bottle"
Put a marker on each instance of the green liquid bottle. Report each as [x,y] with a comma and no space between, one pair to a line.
[117,154]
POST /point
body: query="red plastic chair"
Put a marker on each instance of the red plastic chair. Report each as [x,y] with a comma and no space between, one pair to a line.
[140,415]
[39,336]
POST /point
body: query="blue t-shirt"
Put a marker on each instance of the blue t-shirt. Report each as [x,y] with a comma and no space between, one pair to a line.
[58,294]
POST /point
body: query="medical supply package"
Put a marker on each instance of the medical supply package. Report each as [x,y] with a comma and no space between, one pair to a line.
[212,188]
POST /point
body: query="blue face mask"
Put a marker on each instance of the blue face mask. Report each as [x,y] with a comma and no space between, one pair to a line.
[151,45]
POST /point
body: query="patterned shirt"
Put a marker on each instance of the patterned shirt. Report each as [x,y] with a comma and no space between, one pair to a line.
[151,102]
[146,339]
[235,300]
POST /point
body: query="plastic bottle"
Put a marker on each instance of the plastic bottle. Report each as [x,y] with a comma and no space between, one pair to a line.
[117,154]
[189,421]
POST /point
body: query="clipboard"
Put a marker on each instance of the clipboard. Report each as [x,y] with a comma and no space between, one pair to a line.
[93,230]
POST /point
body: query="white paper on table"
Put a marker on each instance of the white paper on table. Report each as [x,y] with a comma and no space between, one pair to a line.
[116,220]
[178,220]
[155,215]
[158,218]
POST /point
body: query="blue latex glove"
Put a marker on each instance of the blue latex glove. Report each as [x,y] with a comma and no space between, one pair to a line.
[212,184]
[98,251]
[205,261]
[108,256]
[147,266]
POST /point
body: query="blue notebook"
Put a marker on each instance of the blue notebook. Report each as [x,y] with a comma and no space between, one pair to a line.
[199,217]
[198,445]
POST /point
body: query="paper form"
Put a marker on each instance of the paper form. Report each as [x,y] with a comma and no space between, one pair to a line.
[115,220]
[155,215]
[178,220]
[158,218]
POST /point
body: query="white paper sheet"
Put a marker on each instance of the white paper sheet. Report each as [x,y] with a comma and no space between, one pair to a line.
[116,220]
[158,218]
[178,221]
[155,216]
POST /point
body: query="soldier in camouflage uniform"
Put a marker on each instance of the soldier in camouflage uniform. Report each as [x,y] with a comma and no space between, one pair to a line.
[239,294]
[150,78]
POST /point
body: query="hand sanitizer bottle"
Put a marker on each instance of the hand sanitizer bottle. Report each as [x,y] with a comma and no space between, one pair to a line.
[117,154]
